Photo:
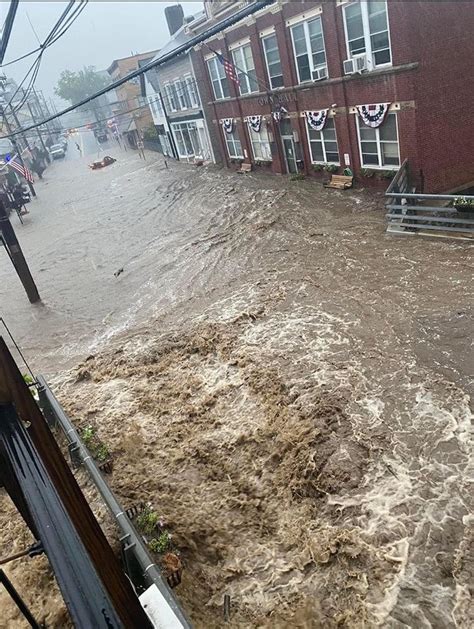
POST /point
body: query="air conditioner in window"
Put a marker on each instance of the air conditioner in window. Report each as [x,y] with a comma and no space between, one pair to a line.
[355,65]
[319,74]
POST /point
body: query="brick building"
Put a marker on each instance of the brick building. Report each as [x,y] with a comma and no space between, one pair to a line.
[305,70]
[130,96]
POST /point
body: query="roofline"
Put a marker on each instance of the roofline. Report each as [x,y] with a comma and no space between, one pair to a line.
[115,62]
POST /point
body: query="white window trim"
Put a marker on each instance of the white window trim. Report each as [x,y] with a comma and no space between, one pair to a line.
[266,62]
[245,70]
[308,49]
[227,144]
[379,147]
[220,79]
[189,77]
[176,127]
[368,46]
[260,159]
[304,17]
[169,94]
[178,86]
[338,163]
[239,44]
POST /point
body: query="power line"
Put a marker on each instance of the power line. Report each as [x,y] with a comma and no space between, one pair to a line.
[7,27]
[194,41]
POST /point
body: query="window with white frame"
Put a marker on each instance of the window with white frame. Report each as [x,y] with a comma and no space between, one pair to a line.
[187,139]
[379,147]
[172,100]
[260,144]
[308,46]
[192,91]
[182,94]
[234,146]
[367,31]
[245,69]
[219,80]
[272,57]
[323,144]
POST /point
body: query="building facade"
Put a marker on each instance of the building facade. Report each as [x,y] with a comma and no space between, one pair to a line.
[333,85]
[182,109]
[130,97]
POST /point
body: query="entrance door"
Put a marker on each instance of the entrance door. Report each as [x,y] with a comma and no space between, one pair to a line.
[290,154]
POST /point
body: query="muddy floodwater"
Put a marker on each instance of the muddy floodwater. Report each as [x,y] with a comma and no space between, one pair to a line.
[287,385]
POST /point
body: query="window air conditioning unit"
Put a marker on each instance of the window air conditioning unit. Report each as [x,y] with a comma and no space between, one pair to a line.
[355,65]
[319,74]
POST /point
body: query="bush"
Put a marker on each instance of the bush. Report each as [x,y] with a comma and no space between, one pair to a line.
[387,174]
[297,177]
[367,172]
[318,167]
[150,133]
[331,168]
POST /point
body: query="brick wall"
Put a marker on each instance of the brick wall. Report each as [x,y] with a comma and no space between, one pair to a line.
[432,51]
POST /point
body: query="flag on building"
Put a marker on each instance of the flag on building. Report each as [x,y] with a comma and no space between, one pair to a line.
[20,168]
[229,69]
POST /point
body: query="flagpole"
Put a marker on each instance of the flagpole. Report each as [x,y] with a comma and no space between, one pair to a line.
[15,146]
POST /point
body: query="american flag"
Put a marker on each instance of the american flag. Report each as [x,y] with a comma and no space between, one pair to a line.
[25,172]
[229,68]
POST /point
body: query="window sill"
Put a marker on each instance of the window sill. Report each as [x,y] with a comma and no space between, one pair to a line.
[372,167]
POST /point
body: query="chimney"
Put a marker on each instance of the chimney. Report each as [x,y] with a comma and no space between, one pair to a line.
[175,17]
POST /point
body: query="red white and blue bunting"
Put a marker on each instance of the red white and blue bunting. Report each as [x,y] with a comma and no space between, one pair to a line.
[317,119]
[373,115]
[228,124]
[278,114]
[255,122]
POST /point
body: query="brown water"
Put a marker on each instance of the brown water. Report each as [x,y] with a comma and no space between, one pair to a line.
[284,382]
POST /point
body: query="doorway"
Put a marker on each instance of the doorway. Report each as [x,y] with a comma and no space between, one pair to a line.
[290,154]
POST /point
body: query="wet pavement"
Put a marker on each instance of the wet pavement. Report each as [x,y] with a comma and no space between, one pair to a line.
[288,384]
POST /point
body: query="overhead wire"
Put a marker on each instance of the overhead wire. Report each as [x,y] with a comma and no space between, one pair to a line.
[193,41]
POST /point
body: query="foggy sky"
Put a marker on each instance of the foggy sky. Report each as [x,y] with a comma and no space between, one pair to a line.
[104,31]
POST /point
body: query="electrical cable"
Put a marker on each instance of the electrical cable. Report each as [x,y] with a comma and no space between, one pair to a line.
[193,41]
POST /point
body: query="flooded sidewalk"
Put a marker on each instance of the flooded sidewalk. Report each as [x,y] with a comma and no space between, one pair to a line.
[285,383]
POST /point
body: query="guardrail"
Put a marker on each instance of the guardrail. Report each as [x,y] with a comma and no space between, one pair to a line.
[412,212]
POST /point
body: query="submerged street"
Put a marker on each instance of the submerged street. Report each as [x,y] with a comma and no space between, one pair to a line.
[285,383]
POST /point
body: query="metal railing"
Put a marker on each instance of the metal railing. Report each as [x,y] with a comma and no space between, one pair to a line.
[412,211]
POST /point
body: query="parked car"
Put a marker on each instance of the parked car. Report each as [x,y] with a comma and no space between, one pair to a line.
[57,151]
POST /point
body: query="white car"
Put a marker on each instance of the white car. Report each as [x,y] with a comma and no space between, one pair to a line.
[57,151]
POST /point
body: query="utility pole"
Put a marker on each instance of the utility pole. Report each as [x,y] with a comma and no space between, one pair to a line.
[15,146]
[40,137]
[16,255]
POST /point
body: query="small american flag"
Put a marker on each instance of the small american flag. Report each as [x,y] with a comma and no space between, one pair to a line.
[229,69]
[25,172]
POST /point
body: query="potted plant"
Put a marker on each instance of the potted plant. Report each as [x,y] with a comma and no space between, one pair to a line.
[463,205]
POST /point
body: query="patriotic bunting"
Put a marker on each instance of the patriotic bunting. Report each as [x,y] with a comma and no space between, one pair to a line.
[279,113]
[255,122]
[317,119]
[373,115]
[228,124]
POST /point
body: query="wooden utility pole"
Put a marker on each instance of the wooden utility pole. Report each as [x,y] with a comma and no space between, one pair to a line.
[16,256]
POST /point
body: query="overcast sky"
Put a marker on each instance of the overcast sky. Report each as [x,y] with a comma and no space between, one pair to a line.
[103,32]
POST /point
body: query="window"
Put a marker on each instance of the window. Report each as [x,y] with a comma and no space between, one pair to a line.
[308,45]
[187,139]
[272,57]
[260,144]
[192,92]
[220,84]
[234,146]
[182,94]
[245,69]
[323,144]
[171,98]
[366,25]
[379,147]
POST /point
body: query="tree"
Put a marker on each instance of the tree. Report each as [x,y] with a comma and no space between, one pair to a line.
[75,86]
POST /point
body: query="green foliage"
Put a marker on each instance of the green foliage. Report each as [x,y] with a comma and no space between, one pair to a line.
[367,172]
[297,177]
[74,86]
[463,203]
[28,379]
[160,544]
[147,520]
[318,167]
[99,450]
[331,168]
[387,174]
[150,133]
